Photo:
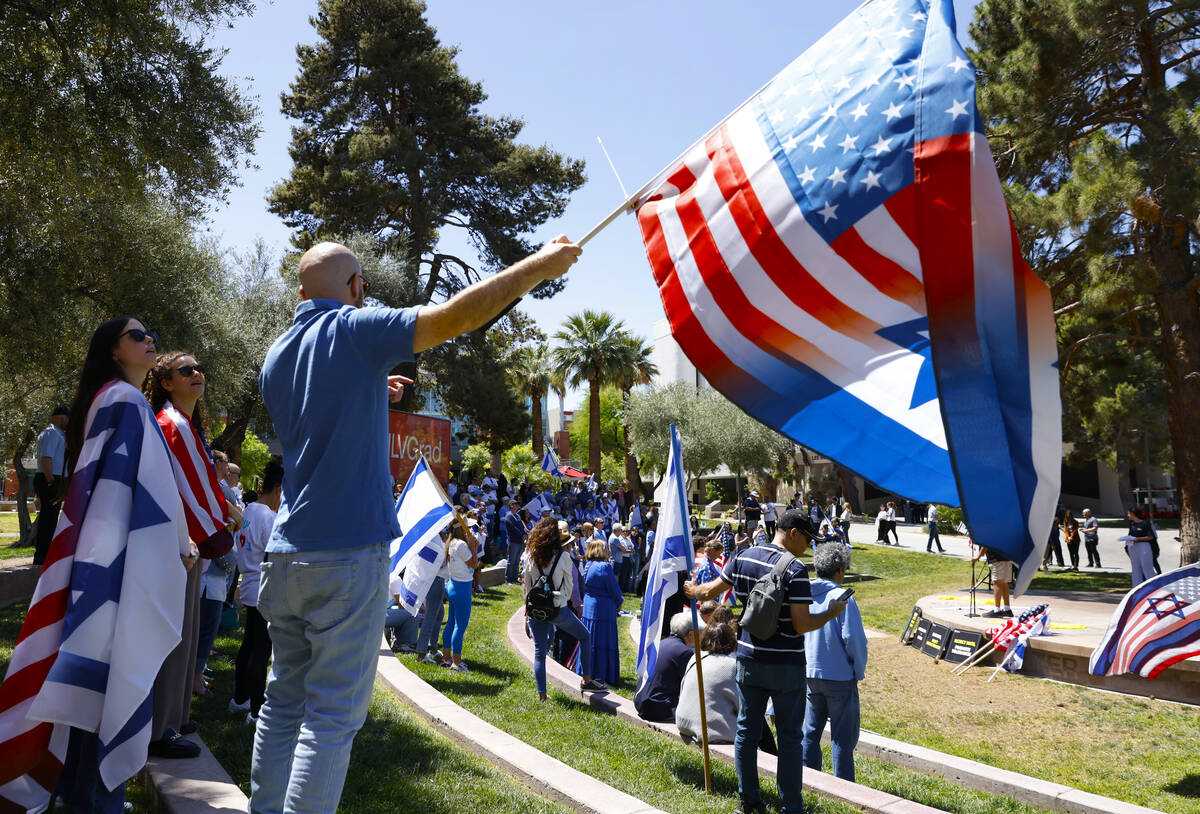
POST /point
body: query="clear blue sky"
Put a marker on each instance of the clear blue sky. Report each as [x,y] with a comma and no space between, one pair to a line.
[649,78]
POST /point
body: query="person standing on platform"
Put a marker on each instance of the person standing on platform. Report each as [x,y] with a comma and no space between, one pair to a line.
[324,591]
[1090,529]
[1001,569]
[49,482]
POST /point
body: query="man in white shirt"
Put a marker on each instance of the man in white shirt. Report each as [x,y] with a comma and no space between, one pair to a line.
[931,518]
[47,482]
[768,516]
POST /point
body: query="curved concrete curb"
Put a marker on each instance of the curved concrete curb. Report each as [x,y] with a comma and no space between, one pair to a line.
[535,769]
[193,786]
[980,776]
[867,799]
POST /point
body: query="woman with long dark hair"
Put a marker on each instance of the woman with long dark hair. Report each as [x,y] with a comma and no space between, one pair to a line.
[1070,529]
[545,559]
[175,387]
[108,595]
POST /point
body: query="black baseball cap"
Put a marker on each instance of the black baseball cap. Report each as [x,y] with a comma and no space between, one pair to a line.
[61,409]
[799,520]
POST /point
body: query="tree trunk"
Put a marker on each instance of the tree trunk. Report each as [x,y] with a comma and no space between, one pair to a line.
[535,401]
[633,478]
[594,427]
[848,491]
[25,527]
[497,462]
[231,438]
[1180,325]
[1124,490]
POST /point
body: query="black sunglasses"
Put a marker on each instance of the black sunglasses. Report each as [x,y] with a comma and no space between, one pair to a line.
[188,370]
[365,285]
[138,335]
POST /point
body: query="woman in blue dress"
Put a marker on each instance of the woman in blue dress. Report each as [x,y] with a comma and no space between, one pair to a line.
[602,600]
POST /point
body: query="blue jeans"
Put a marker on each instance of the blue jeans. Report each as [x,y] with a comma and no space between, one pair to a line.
[784,685]
[459,594]
[79,785]
[325,613]
[512,572]
[432,620]
[403,624]
[543,638]
[210,622]
[837,702]
[933,538]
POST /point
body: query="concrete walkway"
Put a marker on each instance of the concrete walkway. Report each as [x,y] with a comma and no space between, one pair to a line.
[971,773]
[913,537]
[544,774]
[826,785]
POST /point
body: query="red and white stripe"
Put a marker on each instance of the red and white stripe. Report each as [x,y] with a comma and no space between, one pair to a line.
[1146,627]
[203,500]
[727,206]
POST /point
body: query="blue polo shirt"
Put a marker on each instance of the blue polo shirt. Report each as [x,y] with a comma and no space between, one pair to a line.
[325,386]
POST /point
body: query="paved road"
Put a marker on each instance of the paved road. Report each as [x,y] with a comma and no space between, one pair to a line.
[1112,553]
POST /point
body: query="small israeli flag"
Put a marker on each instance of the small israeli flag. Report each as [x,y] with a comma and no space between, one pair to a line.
[550,463]
[423,511]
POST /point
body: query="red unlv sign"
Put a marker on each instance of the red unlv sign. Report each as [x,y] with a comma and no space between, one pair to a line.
[410,436]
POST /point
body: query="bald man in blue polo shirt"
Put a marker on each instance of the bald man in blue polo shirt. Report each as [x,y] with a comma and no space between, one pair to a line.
[324,581]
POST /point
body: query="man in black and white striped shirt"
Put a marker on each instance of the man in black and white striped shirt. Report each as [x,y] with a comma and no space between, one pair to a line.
[773,668]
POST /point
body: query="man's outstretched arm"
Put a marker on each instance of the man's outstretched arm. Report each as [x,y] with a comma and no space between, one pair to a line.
[472,307]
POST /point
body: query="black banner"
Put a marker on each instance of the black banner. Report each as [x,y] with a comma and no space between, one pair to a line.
[918,638]
[935,641]
[962,644]
[911,628]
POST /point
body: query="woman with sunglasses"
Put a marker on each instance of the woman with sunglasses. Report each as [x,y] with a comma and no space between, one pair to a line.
[108,596]
[174,387]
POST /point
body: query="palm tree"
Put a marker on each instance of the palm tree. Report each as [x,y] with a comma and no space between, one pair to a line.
[636,368]
[530,369]
[592,349]
[558,386]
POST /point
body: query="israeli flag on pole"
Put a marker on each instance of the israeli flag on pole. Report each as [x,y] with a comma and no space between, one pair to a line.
[672,555]
[635,516]
[423,511]
[550,463]
[536,506]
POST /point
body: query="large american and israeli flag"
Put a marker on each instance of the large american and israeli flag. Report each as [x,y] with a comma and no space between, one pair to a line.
[837,258]
[106,612]
[423,510]
[672,555]
[1156,625]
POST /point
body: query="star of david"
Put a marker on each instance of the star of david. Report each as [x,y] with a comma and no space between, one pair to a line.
[1175,606]
[914,335]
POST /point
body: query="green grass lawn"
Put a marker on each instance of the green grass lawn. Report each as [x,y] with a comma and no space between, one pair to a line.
[399,762]
[9,526]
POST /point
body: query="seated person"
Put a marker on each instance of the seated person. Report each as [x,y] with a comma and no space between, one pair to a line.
[659,694]
[401,628]
[719,642]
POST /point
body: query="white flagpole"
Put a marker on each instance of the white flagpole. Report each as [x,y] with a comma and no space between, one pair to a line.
[631,201]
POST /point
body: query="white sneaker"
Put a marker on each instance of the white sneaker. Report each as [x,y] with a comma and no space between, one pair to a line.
[429,659]
[234,706]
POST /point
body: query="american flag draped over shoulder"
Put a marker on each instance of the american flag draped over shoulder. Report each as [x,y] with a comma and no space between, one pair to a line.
[106,612]
[837,258]
[1156,625]
[203,500]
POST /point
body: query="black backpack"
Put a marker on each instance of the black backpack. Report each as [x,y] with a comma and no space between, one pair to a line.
[760,618]
[539,602]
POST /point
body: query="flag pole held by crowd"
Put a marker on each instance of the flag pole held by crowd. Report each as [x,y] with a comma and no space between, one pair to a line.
[672,556]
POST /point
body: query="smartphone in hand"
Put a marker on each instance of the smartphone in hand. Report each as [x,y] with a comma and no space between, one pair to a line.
[845,595]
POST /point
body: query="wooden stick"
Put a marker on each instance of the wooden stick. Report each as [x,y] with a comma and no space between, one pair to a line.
[700,688]
[976,658]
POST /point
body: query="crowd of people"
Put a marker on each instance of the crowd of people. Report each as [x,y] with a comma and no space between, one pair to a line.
[306,557]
